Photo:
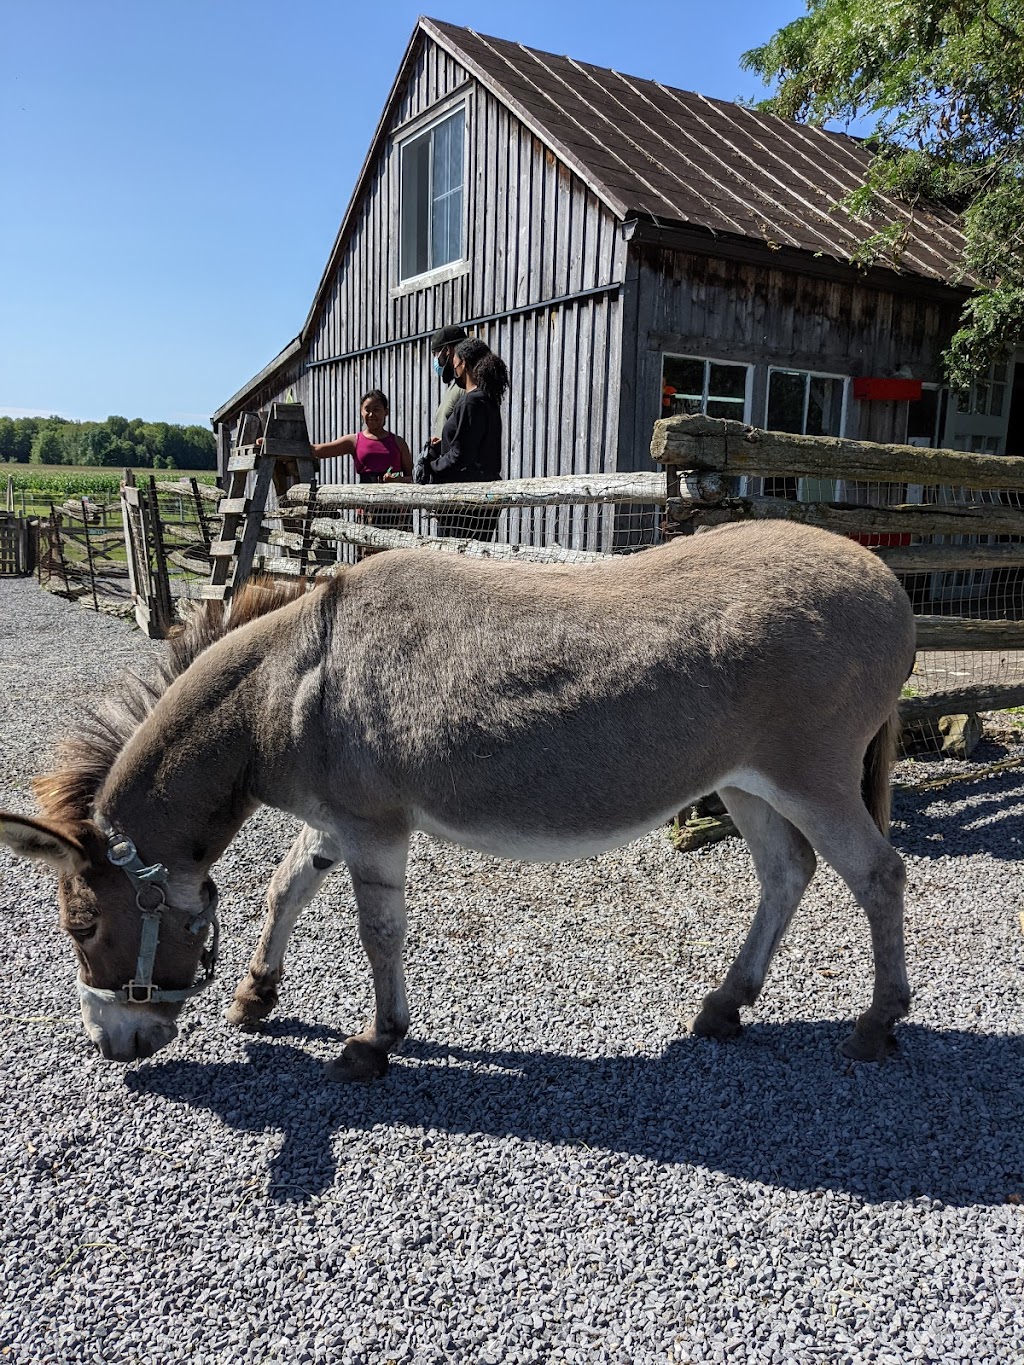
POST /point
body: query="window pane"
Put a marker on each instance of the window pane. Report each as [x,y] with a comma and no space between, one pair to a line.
[922,417]
[415,206]
[824,407]
[456,146]
[995,405]
[446,191]
[685,376]
[726,407]
[786,401]
[727,381]
[439,152]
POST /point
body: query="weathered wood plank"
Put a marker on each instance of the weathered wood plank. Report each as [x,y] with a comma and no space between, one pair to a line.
[377,538]
[904,519]
[960,632]
[955,701]
[712,443]
[184,486]
[598,488]
[946,558]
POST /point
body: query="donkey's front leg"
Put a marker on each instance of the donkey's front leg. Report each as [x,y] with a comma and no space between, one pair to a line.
[378,879]
[291,888]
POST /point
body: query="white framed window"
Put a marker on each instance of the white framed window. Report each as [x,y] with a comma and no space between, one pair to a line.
[807,403]
[433,174]
[719,388]
[988,394]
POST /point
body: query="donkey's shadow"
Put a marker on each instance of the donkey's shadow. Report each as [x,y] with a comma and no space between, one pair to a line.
[943,1118]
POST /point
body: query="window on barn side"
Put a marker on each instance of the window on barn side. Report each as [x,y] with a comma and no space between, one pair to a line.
[808,404]
[432,172]
[714,387]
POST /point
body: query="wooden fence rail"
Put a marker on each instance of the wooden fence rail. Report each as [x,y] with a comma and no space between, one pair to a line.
[963,494]
[713,444]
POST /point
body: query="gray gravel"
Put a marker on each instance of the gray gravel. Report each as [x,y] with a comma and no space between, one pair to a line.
[552,1171]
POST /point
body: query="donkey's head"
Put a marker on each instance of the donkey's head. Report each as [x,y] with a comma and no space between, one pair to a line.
[140,947]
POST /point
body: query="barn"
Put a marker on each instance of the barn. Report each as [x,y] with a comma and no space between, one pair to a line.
[632,251]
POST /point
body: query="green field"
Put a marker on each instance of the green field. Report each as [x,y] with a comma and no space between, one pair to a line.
[36,486]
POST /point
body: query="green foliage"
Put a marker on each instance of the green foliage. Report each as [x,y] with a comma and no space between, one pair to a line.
[47,446]
[943,82]
[115,443]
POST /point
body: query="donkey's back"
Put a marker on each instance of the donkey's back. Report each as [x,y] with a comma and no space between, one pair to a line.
[555,711]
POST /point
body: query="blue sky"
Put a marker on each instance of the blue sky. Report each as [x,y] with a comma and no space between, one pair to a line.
[175,171]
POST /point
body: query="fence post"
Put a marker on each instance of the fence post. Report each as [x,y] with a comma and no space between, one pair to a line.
[88,553]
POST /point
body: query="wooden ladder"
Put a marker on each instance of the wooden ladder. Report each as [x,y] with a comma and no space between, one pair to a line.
[260,445]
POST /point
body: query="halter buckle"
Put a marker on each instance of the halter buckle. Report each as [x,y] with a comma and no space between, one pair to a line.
[138,993]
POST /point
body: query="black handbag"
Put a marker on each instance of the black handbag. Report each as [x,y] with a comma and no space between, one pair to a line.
[421,471]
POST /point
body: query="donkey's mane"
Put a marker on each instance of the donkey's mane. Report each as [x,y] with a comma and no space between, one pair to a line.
[84,759]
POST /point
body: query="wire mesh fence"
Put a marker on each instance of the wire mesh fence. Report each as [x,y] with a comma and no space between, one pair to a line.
[547,520]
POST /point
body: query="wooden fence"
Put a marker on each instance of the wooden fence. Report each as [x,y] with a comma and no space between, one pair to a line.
[714,470]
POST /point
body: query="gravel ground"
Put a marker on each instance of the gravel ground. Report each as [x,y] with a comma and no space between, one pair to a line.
[552,1171]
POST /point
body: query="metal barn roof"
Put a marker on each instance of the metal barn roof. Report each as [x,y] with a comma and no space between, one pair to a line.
[678,158]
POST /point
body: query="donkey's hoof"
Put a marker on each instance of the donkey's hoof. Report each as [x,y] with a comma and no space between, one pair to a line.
[722,1025]
[874,1046]
[359,1062]
[239,1016]
[254,1001]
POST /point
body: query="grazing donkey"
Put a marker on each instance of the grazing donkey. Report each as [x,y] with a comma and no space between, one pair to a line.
[532,712]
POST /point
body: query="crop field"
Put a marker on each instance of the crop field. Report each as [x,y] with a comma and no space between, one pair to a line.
[36,486]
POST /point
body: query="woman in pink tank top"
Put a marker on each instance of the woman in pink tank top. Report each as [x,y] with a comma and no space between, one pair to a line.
[379,456]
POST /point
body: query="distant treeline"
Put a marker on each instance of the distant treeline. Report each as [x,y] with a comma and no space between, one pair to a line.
[117,441]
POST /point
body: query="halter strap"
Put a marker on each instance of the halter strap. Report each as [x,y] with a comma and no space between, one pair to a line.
[150,884]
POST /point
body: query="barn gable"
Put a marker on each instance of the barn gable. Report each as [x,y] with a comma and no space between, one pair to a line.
[610,237]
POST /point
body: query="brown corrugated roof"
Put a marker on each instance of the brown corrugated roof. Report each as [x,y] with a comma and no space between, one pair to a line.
[679,158]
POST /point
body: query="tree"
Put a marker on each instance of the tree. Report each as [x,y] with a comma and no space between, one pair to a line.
[48,446]
[943,83]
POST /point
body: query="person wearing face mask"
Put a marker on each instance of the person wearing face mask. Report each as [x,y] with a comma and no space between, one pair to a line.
[442,347]
[470,447]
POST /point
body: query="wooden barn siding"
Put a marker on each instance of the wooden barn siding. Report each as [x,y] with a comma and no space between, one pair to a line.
[535,232]
[697,305]
[560,415]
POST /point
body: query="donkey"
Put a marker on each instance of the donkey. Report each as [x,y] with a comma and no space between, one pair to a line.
[532,712]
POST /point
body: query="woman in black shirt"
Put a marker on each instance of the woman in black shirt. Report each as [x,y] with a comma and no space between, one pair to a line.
[470,447]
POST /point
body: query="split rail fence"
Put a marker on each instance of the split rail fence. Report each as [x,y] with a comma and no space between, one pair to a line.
[949,523]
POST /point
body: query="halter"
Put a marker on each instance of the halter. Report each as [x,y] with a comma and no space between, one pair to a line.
[150,883]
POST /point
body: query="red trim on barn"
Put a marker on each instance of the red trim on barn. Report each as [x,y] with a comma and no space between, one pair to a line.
[887,390]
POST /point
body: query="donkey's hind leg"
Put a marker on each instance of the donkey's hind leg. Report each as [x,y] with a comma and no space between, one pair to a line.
[293,885]
[843,833]
[784,862]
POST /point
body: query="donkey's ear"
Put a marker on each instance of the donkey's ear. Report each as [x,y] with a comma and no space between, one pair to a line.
[46,843]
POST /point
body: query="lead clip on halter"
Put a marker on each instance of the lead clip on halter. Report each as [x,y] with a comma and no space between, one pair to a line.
[123,854]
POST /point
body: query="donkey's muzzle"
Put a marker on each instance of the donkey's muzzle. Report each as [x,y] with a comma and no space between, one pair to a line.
[126,1033]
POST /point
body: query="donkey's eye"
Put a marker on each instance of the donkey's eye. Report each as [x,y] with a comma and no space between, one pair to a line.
[82,933]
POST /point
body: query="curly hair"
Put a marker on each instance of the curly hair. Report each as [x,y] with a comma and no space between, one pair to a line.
[488,370]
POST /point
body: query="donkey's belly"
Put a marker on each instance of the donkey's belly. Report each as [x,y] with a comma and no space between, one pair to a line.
[533,845]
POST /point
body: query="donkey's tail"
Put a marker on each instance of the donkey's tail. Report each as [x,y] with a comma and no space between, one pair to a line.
[878,763]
